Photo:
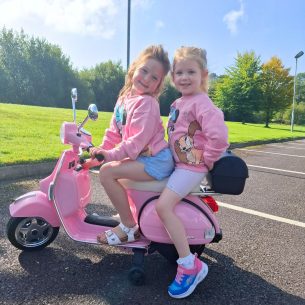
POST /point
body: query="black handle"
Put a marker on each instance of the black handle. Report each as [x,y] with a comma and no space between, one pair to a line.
[99,157]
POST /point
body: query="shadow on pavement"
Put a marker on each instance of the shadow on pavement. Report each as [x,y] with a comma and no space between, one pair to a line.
[59,274]
[68,272]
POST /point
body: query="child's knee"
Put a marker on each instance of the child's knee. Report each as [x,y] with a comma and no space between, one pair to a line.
[161,208]
[105,173]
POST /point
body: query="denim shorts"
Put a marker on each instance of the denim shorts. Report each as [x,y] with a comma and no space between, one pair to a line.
[159,166]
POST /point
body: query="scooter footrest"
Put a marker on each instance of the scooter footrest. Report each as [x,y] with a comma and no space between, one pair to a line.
[98,220]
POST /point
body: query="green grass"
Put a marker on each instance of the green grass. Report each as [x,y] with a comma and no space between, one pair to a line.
[31,134]
[258,133]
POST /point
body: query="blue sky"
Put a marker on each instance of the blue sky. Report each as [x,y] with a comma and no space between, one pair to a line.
[93,31]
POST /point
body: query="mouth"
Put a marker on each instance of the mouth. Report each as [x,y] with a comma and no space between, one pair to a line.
[143,85]
[184,85]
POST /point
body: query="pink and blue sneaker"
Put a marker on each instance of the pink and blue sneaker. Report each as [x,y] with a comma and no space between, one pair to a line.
[187,279]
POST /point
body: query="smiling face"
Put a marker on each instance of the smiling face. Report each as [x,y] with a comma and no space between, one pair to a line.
[188,76]
[147,77]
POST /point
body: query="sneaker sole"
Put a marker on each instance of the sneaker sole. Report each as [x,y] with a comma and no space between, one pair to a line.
[199,278]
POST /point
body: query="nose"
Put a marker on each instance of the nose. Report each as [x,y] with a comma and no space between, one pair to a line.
[182,76]
[147,77]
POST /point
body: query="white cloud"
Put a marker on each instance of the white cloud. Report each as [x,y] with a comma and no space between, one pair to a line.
[87,17]
[233,17]
[159,24]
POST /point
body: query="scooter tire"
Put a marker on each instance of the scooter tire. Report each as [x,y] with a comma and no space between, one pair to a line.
[30,233]
[169,251]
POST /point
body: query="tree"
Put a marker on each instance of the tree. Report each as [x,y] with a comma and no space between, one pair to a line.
[169,94]
[105,80]
[237,93]
[35,72]
[300,88]
[277,88]
[213,79]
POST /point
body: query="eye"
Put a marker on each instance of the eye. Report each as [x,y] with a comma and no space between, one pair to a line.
[178,73]
[155,78]
[144,70]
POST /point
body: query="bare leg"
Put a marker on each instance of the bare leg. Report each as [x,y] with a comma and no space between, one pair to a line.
[175,228]
[109,175]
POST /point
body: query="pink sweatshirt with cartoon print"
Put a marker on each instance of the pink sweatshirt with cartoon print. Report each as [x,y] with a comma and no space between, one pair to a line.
[197,132]
[135,129]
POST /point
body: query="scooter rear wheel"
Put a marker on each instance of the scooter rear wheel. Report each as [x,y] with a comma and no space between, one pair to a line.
[30,233]
[170,253]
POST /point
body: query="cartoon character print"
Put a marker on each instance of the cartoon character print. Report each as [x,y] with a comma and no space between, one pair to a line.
[185,146]
[172,119]
[120,117]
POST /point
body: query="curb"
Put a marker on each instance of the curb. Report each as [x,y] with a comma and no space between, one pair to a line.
[12,172]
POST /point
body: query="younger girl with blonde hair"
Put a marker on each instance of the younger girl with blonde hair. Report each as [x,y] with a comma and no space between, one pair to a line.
[197,136]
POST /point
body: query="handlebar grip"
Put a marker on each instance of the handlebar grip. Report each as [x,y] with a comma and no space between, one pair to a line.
[99,157]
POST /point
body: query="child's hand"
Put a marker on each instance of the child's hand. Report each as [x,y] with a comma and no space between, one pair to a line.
[98,153]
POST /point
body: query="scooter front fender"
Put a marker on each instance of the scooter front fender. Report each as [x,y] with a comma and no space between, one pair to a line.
[35,204]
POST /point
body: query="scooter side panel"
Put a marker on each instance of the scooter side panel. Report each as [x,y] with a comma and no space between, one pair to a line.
[72,192]
[35,204]
[200,227]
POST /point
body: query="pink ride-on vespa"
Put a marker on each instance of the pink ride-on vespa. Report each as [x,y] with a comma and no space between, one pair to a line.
[63,196]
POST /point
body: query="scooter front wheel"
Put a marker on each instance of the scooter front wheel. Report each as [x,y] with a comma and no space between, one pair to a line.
[30,233]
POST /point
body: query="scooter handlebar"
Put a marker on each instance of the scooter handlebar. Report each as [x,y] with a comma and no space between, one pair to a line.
[100,157]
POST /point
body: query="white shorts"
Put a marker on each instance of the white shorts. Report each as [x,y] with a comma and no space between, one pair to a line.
[182,181]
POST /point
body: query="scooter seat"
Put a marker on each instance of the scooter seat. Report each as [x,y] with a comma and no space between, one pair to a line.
[149,186]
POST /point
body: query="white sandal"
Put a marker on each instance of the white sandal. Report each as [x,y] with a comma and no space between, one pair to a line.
[111,238]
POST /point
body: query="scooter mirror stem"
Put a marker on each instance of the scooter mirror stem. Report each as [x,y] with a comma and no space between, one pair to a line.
[80,126]
[74,100]
[92,114]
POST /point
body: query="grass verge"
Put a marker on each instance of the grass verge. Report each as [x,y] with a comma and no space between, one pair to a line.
[31,133]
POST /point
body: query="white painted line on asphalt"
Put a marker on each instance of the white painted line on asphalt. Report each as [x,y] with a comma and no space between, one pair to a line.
[272,153]
[260,214]
[285,146]
[276,169]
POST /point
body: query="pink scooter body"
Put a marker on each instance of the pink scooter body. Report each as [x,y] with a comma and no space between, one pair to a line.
[64,195]
[199,220]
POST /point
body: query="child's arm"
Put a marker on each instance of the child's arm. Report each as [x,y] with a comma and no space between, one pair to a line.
[216,134]
[112,136]
[142,127]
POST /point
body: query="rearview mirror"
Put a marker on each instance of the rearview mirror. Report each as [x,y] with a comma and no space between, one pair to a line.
[93,112]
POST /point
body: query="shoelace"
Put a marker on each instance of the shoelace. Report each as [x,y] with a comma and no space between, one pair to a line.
[179,277]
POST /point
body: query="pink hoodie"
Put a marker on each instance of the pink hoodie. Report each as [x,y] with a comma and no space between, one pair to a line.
[135,129]
[197,132]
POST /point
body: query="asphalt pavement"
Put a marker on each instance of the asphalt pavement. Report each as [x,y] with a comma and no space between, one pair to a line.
[260,260]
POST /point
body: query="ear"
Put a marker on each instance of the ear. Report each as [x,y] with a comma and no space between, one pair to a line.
[172,76]
[204,74]
[181,155]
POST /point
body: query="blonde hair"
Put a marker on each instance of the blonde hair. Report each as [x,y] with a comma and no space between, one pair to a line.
[197,54]
[155,52]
